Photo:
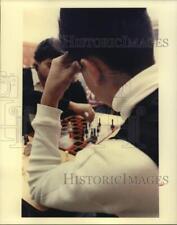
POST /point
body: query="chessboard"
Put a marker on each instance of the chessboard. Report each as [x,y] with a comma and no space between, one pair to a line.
[77,133]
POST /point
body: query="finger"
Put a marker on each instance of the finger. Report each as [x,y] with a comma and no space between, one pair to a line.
[89,116]
[63,59]
[86,114]
[83,63]
[77,65]
[66,60]
[74,68]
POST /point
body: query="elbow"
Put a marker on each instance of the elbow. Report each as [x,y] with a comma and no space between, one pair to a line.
[34,189]
[34,184]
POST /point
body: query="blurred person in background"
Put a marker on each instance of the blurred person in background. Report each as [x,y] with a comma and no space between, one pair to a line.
[74,101]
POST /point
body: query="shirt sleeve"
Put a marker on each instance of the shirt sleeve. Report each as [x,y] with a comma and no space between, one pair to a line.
[80,92]
[95,180]
[75,93]
[63,104]
[30,96]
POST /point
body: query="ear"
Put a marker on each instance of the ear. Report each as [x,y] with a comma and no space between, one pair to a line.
[91,69]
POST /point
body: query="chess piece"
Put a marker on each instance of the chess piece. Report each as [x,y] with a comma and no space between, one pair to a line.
[99,123]
[91,134]
[112,125]
[86,131]
[98,130]
[93,137]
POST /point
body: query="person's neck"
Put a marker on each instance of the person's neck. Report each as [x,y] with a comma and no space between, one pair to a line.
[114,84]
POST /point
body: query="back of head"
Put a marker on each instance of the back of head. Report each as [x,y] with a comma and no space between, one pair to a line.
[121,37]
[47,49]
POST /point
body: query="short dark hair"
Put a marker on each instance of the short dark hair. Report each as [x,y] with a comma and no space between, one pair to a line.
[120,37]
[47,49]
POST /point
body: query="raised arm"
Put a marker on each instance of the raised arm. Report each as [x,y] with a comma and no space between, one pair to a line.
[97,179]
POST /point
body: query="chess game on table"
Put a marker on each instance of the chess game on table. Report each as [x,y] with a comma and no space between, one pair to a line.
[76,132]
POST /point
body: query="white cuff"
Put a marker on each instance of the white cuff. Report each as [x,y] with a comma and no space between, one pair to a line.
[47,116]
[44,110]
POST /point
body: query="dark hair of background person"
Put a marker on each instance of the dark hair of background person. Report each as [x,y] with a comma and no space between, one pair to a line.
[130,27]
[47,49]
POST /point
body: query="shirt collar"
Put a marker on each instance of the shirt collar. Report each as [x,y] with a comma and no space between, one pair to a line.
[135,90]
[35,77]
[36,82]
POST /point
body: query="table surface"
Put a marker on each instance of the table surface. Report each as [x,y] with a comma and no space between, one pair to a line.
[106,120]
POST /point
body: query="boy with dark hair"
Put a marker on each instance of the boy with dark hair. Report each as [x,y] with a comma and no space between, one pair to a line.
[74,100]
[114,50]
[128,36]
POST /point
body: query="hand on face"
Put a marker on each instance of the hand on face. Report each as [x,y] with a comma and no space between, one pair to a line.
[60,76]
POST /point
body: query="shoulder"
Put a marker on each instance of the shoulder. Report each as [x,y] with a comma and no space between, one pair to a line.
[27,71]
[128,155]
[121,155]
[27,77]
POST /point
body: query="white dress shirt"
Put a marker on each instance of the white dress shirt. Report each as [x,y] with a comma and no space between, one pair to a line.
[113,177]
[135,90]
